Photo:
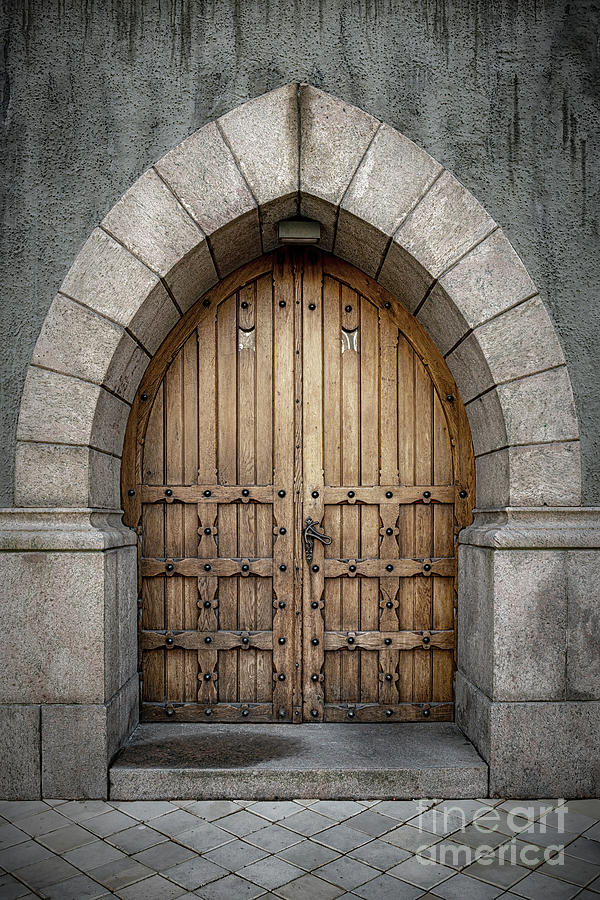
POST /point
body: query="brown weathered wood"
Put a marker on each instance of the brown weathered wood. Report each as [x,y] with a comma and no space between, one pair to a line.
[246,641]
[403,712]
[400,640]
[218,566]
[219,712]
[207,493]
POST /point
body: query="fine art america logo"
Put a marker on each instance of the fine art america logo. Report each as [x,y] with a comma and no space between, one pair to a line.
[465,833]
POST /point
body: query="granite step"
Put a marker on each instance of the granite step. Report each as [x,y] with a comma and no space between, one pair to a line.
[313,760]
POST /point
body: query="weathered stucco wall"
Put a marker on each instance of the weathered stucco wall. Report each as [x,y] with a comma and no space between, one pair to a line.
[504,94]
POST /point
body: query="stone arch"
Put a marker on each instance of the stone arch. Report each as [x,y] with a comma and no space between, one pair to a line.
[207,207]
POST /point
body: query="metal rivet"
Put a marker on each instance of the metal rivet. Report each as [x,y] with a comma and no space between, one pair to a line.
[282,567]
[462,494]
[169,567]
[208,677]
[312,306]
[315,494]
[245,568]
[208,531]
[208,640]
[314,605]
[283,531]
[389,568]
[450,398]
[206,303]
[245,713]
[389,604]
[426,567]
[144,396]
[426,712]
[282,640]
[168,492]
[245,492]
[207,567]
[387,641]
[351,640]
[170,711]
[315,568]
[350,713]
[427,494]
[314,713]
[352,568]
[389,530]
[282,303]
[281,493]
[207,604]
[389,712]
[389,494]
[244,304]
[282,604]
[426,639]
[348,308]
[281,676]
[314,677]
[207,493]
[388,677]
[315,642]
[170,641]
[131,492]
[351,494]
[387,304]
[208,712]
[245,640]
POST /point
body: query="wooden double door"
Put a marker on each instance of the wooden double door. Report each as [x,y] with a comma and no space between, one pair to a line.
[297,464]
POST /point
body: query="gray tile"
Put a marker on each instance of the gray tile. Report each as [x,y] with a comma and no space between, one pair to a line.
[120,873]
[46,872]
[403,810]
[477,837]
[593,833]
[540,887]
[589,808]
[195,873]
[13,810]
[109,823]
[584,895]
[242,823]
[137,838]
[309,887]
[93,855]
[564,820]
[154,888]
[24,854]
[583,848]
[546,837]
[380,854]
[410,838]
[449,853]
[274,810]
[66,838]
[347,872]
[163,856]
[337,809]
[176,822]
[496,873]
[273,838]
[439,822]
[204,837]
[309,855]
[235,855]
[569,868]
[595,885]
[342,838]
[371,823]
[307,822]
[520,853]
[80,810]
[232,887]
[44,822]
[423,873]
[145,810]
[270,872]
[384,887]
[10,888]
[461,887]
[503,822]
[212,809]
[78,888]
[11,835]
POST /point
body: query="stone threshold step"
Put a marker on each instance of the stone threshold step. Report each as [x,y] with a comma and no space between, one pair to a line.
[323,761]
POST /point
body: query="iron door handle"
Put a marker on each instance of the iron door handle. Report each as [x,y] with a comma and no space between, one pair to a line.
[310,534]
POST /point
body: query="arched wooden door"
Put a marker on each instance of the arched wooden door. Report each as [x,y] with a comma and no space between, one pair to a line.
[297,390]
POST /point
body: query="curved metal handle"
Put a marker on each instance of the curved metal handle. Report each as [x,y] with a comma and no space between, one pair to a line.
[309,538]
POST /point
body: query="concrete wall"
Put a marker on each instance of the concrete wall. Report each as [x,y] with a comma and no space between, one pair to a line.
[504,94]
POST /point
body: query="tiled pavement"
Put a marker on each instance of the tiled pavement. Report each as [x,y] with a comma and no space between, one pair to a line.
[301,850]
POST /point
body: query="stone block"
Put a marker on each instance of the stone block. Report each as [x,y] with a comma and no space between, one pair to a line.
[583,649]
[110,422]
[545,474]
[476,615]
[492,479]
[443,321]
[539,408]
[271,214]
[51,475]
[490,279]
[361,244]
[325,213]
[469,367]
[74,751]
[521,341]
[20,752]
[153,225]
[120,625]
[76,341]
[56,408]
[63,529]
[404,277]
[486,419]
[333,140]
[54,627]
[236,243]
[445,224]
[104,481]
[122,715]
[472,708]
[128,364]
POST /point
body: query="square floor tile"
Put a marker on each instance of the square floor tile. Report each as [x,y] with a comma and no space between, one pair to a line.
[421,872]
[13,810]
[242,823]
[309,887]
[204,837]
[79,888]
[145,809]
[274,810]
[564,820]
[520,853]
[154,888]
[545,836]
[461,887]
[137,838]
[403,810]
[92,855]
[66,838]
[176,822]
[44,822]
[380,854]
[23,854]
[109,823]
[504,822]
[232,887]
[195,873]
[450,853]
[477,836]
[410,838]
[347,872]
[541,887]
[569,868]
[342,838]
[439,822]
[80,810]
[496,872]
[46,872]
[308,822]
[338,809]
[308,855]
[11,835]
[371,823]
[583,848]
[11,889]
[384,887]
[270,872]
[235,855]
[273,838]
[593,833]
[589,808]
[163,856]
[212,809]
[120,872]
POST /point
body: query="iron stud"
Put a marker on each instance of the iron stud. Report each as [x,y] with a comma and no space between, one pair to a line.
[283,531]
[207,676]
[350,713]
[314,677]
[281,493]
[315,642]
[131,492]
[245,640]
[389,530]
[281,676]
[245,492]
[389,568]
[314,605]
[388,677]
[208,640]
[207,493]
[170,711]
[314,713]
[170,641]
[315,494]
[427,494]
[282,640]
[462,494]
[387,304]
[352,568]
[207,567]
[207,530]
[207,604]
[389,494]
[387,641]
[426,639]
[206,303]
[351,494]
[168,492]
[450,398]
[389,712]
[427,567]
[244,304]
[312,306]
[245,713]
[282,567]
[315,568]
[351,640]
[208,712]
[282,303]
[144,396]
[389,604]
[348,308]
[245,568]
[169,567]
[282,604]
[426,712]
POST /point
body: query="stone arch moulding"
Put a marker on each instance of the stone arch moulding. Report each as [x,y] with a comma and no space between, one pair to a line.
[206,208]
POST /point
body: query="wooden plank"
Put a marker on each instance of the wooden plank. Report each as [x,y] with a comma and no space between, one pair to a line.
[220,712]
[399,640]
[406,515]
[209,493]
[189,514]
[443,589]
[422,663]
[378,568]
[403,712]
[245,641]
[222,567]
